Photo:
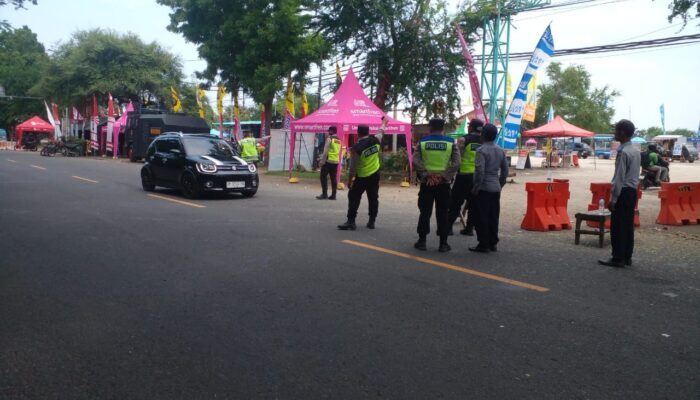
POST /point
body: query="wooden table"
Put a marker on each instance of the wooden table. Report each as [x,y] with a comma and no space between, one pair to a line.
[594,216]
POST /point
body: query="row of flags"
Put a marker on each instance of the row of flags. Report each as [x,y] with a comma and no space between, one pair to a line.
[524,103]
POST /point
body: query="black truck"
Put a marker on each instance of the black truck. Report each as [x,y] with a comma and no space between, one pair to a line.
[145,125]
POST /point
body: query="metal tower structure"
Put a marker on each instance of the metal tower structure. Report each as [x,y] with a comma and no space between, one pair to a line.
[496,50]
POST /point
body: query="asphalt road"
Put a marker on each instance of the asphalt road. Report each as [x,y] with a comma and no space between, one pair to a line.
[109,293]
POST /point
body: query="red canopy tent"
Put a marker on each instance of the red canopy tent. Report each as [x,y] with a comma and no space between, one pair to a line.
[348,108]
[33,125]
[558,128]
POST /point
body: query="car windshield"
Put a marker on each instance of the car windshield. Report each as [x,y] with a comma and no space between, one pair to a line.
[209,147]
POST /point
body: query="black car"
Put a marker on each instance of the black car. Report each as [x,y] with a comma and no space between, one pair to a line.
[195,163]
[583,150]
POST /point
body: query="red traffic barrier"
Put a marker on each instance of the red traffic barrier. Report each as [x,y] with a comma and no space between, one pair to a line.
[603,191]
[680,203]
[546,206]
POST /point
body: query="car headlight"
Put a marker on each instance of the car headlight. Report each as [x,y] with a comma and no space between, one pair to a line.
[252,168]
[206,168]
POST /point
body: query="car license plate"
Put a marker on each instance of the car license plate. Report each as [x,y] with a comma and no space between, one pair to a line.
[235,184]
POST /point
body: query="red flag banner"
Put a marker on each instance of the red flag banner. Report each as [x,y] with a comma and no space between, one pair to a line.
[473,80]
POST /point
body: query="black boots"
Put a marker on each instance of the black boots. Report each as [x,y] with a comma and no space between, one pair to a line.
[420,244]
[322,197]
[370,223]
[349,225]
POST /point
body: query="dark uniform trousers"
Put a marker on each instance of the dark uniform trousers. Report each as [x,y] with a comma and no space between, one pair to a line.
[461,191]
[487,210]
[440,196]
[329,169]
[369,184]
[622,225]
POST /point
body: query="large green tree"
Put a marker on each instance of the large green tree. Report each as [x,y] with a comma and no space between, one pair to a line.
[99,61]
[570,92]
[249,44]
[408,48]
[22,63]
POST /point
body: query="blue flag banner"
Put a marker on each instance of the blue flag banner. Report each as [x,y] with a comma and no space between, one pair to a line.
[662,110]
[550,114]
[508,136]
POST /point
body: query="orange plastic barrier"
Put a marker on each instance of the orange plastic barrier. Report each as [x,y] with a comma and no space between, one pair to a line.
[680,203]
[546,206]
[603,191]
[574,159]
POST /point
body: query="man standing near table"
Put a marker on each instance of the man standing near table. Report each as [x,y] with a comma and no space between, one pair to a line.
[623,197]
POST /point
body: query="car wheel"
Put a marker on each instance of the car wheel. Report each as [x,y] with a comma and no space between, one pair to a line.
[147,181]
[249,193]
[190,188]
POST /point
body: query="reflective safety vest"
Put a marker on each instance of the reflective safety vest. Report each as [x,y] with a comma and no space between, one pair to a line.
[249,149]
[468,164]
[369,161]
[436,153]
[334,151]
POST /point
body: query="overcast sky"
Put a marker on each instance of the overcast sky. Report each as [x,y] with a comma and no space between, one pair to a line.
[645,78]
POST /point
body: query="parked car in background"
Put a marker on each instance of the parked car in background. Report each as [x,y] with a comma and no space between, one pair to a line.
[583,150]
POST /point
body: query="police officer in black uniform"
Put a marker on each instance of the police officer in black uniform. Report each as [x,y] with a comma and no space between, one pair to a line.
[363,176]
[462,188]
[436,161]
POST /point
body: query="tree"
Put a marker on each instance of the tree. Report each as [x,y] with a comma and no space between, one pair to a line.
[683,9]
[22,62]
[681,132]
[251,45]
[100,61]
[651,131]
[569,91]
[4,25]
[409,48]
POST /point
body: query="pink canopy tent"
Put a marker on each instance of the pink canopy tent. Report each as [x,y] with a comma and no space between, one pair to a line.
[119,127]
[558,128]
[348,108]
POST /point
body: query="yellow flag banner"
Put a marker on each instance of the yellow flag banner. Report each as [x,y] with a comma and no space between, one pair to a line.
[199,95]
[338,77]
[290,96]
[177,104]
[220,100]
[531,105]
[304,103]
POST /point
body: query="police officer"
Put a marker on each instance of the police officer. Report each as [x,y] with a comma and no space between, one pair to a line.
[249,147]
[462,188]
[436,160]
[329,164]
[363,176]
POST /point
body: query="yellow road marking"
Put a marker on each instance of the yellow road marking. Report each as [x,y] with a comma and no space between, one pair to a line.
[85,179]
[37,167]
[11,160]
[184,203]
[449,266]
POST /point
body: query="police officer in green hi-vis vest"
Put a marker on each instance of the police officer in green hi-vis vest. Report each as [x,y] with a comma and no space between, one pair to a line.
[329,164]
[249,147]
[363,176]
[462,188]
[436,161]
